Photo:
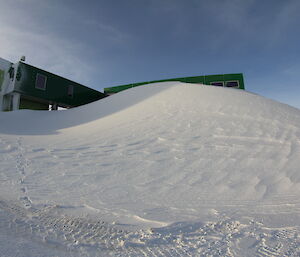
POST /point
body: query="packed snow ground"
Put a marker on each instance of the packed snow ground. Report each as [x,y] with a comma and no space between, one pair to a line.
[168,169]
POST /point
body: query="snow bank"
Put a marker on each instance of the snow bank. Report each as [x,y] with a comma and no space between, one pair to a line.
[169,156]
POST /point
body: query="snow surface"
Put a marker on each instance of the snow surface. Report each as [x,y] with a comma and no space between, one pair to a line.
[167,169]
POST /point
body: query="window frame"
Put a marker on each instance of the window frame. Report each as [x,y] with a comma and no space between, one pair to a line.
[238,83]
[70,91]
[45,81]
[211,83]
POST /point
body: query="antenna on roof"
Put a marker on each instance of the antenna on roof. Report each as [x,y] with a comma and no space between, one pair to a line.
[22,59]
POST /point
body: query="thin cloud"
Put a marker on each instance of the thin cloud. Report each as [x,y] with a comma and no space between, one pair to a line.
[292,70]
[63,41]
[43,48]
[108,32]
[54,54]
[288,16]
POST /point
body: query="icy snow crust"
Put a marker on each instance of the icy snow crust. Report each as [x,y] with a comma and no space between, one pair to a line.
[168,169]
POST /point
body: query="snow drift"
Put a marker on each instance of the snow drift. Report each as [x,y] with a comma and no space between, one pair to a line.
[159,156]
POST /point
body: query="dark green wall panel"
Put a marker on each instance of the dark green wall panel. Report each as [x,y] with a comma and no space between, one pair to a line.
[56,88]
[32,105]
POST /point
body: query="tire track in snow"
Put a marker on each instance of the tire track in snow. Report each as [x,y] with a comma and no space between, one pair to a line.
[83,234]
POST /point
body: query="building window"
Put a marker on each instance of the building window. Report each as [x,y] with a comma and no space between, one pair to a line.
[217,83]
[40,82]
[234,83]
[70,90]
[11,72]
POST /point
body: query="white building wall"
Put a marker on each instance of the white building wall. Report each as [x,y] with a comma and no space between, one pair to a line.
[8,99]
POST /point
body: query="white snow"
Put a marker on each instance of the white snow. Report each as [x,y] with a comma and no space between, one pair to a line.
[167,169]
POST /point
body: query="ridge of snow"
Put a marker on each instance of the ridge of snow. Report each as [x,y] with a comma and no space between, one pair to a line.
[171,167]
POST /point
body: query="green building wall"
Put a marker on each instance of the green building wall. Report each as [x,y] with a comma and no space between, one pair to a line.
[56,90]
[26,103]
[206,80]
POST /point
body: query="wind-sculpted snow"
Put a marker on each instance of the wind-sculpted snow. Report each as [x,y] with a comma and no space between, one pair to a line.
[160,170]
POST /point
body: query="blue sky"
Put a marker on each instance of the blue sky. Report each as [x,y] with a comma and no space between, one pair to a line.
[114,42]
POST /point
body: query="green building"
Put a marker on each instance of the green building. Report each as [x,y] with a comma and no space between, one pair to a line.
[23,86]
[234,80]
